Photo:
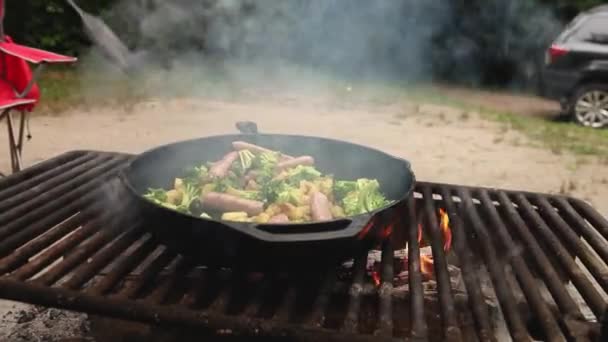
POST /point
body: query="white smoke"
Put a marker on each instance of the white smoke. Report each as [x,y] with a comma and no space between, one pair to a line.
[250,40]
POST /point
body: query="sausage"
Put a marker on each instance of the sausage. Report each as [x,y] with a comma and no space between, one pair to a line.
[280,218]
[242,145]
[229,203]
[320,209]
[220,168]
[303,160]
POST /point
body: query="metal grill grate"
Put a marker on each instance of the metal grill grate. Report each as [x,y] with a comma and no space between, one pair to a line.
[532,266]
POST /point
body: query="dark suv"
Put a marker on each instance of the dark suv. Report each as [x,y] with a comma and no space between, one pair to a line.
[576,69]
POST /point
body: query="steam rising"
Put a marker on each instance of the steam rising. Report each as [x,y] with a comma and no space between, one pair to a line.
[240,41]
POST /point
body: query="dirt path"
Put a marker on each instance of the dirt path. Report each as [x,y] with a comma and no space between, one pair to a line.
[444,144]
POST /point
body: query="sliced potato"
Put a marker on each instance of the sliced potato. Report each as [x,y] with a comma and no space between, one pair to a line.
[337,211]
[273,209]
[262,218]
[174,196]
[235,216]
[178,184]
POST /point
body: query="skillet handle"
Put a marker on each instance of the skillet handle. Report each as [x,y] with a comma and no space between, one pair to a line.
[354,227]
[247,127]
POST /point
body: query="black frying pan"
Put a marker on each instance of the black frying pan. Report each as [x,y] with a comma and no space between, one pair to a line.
[268,246]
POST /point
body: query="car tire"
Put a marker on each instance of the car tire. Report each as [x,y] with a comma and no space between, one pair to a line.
[589,105]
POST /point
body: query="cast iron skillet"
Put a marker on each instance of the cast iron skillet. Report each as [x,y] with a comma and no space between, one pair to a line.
[267,246]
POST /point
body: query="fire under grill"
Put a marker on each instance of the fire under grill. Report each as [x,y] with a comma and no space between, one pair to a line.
[462,264]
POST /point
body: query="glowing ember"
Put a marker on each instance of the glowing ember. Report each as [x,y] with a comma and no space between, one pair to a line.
[365,229]
[376,278]
[387,231]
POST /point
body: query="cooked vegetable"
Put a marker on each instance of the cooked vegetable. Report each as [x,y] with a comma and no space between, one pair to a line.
[343,188]
[300,173]
[235,216]
[178,198]
[366,197]
[196,175]
[256,184]
[242,145]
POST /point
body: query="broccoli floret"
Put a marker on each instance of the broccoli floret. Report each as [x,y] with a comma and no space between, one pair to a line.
[290,195]
[271,189]
[195,175]
[159,196]
[266,160]
[189,193]
[366,197]
[351,204]
[343,188]
[300,173]
[156,195]
[375,200]
[265,164]
[223,184]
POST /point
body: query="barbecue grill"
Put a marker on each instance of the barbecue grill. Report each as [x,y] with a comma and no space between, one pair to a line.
[524,265]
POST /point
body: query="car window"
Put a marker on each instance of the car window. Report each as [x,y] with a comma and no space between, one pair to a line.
[597,25]
[571,28]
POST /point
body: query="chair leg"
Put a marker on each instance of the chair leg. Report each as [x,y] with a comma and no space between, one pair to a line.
[2,116]
[22,118]
[12,145]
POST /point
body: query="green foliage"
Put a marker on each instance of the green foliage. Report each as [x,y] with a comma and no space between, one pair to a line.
[53,24]
[50,24]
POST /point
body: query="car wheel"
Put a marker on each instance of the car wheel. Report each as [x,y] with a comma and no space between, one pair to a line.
[590,105]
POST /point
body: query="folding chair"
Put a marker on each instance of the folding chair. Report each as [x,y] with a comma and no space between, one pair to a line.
[18,89]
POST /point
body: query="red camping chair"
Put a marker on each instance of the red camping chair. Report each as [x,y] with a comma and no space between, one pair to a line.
[18,89]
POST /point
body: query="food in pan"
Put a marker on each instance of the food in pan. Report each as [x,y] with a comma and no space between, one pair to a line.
[255,184]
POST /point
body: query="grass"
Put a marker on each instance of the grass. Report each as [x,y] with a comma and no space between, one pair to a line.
[558,136]
[65,88]
[554,135]
[59,90]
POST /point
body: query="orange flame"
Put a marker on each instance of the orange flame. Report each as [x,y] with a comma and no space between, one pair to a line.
[376,278]
[426,264]
[426,261]
[444,224]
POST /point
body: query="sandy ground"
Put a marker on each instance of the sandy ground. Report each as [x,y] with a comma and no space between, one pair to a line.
[444,144]
[523,104]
